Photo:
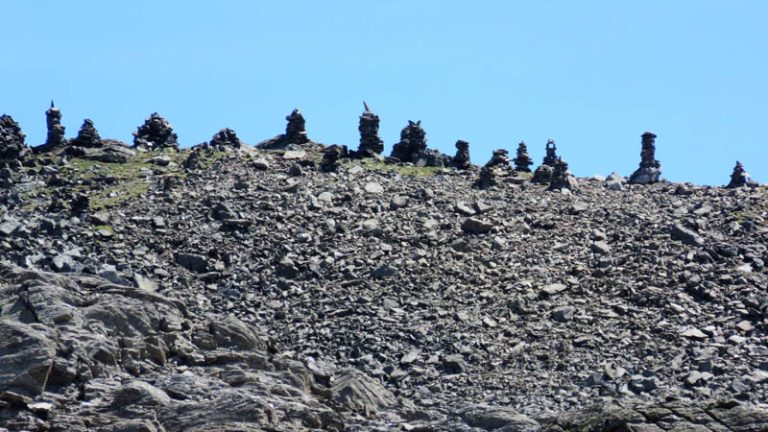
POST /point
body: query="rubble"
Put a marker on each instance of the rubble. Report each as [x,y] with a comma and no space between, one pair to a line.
[650,169]
[156,133]
[370,143]
[12,146]
[331,157]
[486,178]
[225,139]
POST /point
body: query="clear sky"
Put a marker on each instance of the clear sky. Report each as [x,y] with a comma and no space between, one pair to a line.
[593,75]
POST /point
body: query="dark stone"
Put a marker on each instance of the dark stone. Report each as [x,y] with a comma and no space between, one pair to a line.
[551,153]
[55,138]
[500,158]
[370,143]
[461,160]
[486,179]
[12,147]
[156,133]
[295,131]
[331,157]
[224,139]
[87,136]
[739,177]
[543,174]
[650,169]
[561,177]
[413,143]
[522,161]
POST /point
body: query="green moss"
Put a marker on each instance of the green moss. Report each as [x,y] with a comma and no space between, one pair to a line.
[402,169]
[119,193]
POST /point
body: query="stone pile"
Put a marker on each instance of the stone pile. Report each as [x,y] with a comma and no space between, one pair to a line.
[370,143]
[650,169]
[12,147]
[550,158]
[461,160]
[156,133]
[55,138]
[225,139]
[87,136]
[739,177]
[486,179]
[500,158]
[545,171]
[522,161]
[295,130]
[561,177]
[331,156]
[412,145]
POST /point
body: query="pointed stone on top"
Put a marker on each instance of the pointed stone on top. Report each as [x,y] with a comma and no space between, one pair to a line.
[366,107]
[370,142]
[522,160]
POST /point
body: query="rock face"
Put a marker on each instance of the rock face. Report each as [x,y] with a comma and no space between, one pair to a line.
[499,158]
[225,139]
[739,177]
[12,147]
[370,143]
[650,169]
[156,133]
[522,160]
[461,159]
[87,136]
[55,138]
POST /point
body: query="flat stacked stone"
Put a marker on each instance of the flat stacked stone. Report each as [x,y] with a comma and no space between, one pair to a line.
[561,177]
[156,133]
[461,160]
[413,143]
[224,139]
[87,136]
[331,157]
[486,179]
[55,138]
[650,169]
[544,173]
[370,143]
[739,177]
[550,157]
[522,161]
[12,146]
[295,130]
[499,158]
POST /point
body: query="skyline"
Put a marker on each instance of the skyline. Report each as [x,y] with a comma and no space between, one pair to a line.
[592,76]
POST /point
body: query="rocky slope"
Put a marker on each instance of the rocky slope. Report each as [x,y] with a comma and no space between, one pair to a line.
[251,291]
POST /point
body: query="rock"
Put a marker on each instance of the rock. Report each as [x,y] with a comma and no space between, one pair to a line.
[685,235]
[373,188]
[12,147]
[522,160]
[192,262]
[562,179]
[140,393]
[476,226]
[601,248]
[455,364]
[358,392]
[543,174]
[494,418]
[486,179]
[27,358]
[614,182]
[331,157]
[225,139]
[499,158]
[563,313]
[650,169]
[461,159]
[294,154]
[694,333]
[370,143]
[156,133]
[739,177]
[87,136]
[260,164]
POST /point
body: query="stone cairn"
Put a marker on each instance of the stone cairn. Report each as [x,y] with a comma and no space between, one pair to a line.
[370,143]
[155,133]
[739,177]
[545,171]
[561,177]
[650,169]
[225,139]
[55,138]
[412,145]
[499,158]
[87,136]
[461,160]
[331,157]
[486,179]
[295,130]
[12,147]
[522,161]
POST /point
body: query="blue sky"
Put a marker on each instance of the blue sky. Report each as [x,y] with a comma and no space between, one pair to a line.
[593,75]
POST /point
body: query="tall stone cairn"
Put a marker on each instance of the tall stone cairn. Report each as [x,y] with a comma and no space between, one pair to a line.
[650,169]
[461,160]
[87,136]
[225,138]
[739,177]
[370,143]
[499,158]
[55,138]
[295,130]
[413,143]
[550,158]
[522,161]
[155,133]
[12,147]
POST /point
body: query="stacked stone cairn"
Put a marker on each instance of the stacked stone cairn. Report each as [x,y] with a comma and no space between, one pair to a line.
[55,138]
[331,157]
[295,130]
[739,177]
[499,158]
[12,147]
[87,136]
[156,133]
[522,161]
[561,177]
[545,171]
[650,169]
[461,160]
[225,139]
[412,145]
[486,179]
[370,143]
